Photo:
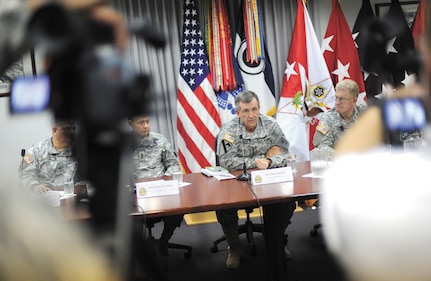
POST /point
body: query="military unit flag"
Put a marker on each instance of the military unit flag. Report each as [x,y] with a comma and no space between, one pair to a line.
[307,88]
[340,52]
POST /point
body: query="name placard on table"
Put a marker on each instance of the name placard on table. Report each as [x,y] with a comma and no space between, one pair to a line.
[157,188]
[268,176]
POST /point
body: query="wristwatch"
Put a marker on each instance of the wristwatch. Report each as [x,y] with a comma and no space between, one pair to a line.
[270,162]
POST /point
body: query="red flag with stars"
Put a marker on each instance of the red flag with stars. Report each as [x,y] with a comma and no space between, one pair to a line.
[340,51]
[418,26]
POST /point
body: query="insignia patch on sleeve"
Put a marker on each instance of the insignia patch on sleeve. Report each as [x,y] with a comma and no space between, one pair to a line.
[229,138]
[28,159]
[322,129]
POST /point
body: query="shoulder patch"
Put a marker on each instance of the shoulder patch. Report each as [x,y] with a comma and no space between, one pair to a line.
[229,138]
[322,128]
[28,159]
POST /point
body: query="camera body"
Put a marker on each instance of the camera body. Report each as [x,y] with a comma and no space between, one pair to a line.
[403,118]
[405,114]
[87,80]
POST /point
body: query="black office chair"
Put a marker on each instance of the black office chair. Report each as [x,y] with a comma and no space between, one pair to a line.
[149,224]
[314,232]
[248,227]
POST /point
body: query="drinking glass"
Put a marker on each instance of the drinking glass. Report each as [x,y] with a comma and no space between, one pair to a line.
[68,186]
[412,144]
[178,175]
[319,160]
[291,158]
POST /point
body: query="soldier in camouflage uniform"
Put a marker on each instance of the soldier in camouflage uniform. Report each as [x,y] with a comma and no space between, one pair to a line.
[49,163]
[336,121]
[154,157]
[259,141]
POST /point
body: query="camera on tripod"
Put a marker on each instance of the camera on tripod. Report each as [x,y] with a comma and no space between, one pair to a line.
[87,78]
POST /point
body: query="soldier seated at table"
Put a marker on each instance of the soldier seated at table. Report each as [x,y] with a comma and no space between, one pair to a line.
[258,141]
[153,157]
[336,121]
[51,162]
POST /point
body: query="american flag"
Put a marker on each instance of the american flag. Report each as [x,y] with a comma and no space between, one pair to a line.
[198,119]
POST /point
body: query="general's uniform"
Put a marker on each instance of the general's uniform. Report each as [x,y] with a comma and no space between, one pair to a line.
[233,139]
[332,126]
[44,164]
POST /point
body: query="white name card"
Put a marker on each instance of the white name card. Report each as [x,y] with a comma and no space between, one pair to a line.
[268,176]
[156,188]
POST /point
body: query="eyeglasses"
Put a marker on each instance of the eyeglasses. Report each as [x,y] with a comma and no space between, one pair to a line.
[342,99]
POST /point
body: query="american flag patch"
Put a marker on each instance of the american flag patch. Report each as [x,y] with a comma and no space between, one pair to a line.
[322,129]
[28,159]
[229,138]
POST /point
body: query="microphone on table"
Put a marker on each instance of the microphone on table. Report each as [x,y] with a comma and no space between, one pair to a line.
[244,176]
[21,166]
[22,160]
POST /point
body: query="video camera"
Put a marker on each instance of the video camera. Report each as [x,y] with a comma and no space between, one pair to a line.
[88,81]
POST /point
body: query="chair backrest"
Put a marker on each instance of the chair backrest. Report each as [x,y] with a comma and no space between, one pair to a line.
[21,165]
[217,159]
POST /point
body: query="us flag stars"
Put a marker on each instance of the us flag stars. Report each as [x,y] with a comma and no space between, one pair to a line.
[194,64]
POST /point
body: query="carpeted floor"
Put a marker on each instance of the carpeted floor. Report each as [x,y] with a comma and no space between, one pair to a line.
[310,260]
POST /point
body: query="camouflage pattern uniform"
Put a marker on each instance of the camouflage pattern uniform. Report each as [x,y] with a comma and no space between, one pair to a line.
[44,164]
[267,134]
[332,126]
[230,152]
[154,157]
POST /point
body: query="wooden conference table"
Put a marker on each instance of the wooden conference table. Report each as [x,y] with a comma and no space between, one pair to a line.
[209,194]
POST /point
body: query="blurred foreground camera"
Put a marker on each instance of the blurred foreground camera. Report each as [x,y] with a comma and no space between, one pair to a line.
[89,81]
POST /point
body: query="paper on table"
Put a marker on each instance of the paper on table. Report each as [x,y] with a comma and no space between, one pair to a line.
[50,198]
[214,170]
[224,176]
[184,184]
[311,175]
[66,196]
[179,184]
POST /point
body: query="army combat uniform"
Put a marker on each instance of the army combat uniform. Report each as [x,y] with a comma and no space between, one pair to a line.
[44,164]
[155,157]
[232,140]
[332,125]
